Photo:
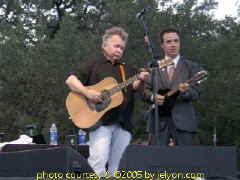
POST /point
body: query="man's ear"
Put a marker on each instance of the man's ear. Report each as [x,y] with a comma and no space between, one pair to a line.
[104,45]
[162,45]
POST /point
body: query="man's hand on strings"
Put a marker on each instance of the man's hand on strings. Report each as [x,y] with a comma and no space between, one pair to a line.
[159,99]
[94,96]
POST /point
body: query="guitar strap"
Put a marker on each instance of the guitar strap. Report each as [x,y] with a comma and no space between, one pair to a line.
[123,76]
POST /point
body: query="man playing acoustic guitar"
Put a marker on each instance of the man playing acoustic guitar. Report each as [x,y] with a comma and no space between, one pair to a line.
[109,140]
[178,119]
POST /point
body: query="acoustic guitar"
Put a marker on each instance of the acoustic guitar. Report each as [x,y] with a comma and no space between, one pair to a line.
[85,114]
[171,95]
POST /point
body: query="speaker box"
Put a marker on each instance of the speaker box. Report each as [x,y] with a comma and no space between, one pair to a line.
[42,163]
[82,149]
[205,162]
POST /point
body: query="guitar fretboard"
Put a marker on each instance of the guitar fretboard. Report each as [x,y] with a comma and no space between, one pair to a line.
[123,84]
[197,77]
[119,87]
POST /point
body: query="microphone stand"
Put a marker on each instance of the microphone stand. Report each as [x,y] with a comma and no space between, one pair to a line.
[155,72]
[215,133]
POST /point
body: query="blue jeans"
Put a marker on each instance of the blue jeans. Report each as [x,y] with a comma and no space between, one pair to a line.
[107,144]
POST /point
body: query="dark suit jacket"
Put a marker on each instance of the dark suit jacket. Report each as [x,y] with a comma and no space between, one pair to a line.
[182,113]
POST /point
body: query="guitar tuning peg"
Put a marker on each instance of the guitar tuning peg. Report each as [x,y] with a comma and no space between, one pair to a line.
[200,81]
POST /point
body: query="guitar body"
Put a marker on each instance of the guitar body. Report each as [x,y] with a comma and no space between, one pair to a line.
[169,102]
[171,95]
[86,114]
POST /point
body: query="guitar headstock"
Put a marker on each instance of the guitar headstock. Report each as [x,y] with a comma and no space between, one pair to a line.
[165,62]
[199,77]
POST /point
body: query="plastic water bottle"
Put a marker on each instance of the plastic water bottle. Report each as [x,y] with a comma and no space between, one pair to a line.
[53,134]
[82,137]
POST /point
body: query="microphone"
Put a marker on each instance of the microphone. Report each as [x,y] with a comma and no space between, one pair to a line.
[141,13]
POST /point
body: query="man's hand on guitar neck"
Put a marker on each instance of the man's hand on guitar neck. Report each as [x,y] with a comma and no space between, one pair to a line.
[183,87]
[143,76]
[94,96]
[160,99]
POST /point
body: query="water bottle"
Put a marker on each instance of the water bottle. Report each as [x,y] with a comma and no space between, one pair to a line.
[53,134]
[82,137]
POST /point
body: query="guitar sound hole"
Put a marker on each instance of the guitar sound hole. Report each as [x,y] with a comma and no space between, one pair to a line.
[106,101]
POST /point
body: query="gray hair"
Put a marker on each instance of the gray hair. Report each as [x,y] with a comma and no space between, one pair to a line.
[115,31]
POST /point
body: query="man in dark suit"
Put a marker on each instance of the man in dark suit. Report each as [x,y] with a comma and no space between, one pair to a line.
[180,121]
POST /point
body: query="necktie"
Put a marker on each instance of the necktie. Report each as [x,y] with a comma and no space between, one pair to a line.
[171,71]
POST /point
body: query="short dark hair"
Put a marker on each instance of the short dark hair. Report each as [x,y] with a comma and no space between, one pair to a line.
[168,30]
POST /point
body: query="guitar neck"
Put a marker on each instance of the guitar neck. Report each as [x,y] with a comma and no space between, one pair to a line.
[123,85]
[173,91]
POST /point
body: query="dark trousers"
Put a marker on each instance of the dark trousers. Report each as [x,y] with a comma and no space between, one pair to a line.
[180,137]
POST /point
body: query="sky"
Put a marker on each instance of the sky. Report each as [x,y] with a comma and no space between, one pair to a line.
[226,7]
